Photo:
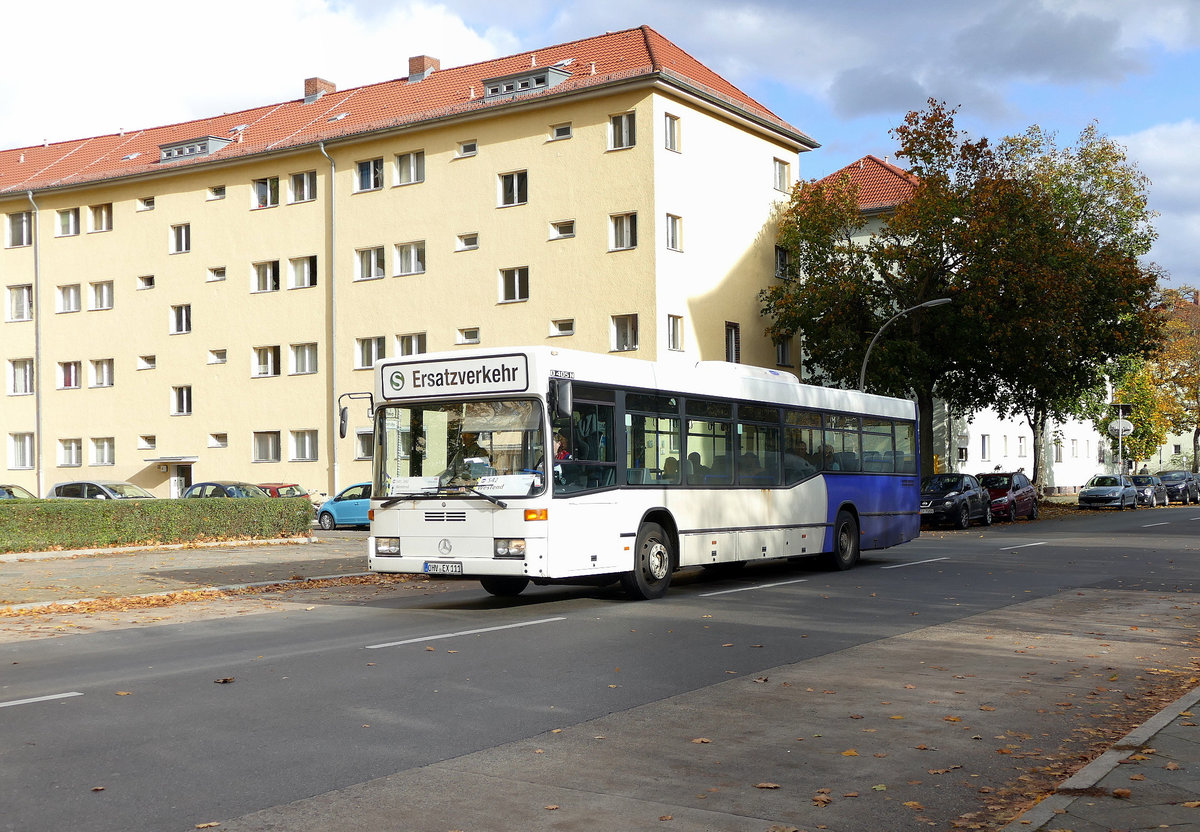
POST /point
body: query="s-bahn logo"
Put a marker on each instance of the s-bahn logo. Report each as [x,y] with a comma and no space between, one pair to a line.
[396,380]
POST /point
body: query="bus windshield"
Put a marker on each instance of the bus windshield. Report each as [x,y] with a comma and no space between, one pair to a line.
[492,448]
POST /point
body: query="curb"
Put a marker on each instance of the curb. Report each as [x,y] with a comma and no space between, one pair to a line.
[1095,771]
[14,557]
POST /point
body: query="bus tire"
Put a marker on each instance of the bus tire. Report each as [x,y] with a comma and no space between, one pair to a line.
[504,586]
[845,543]
[653,561]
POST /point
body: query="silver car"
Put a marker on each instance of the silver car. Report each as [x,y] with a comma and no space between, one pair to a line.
[1108,491]
[99,490]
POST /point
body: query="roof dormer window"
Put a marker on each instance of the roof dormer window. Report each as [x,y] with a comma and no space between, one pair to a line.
[203,146]
[529,81]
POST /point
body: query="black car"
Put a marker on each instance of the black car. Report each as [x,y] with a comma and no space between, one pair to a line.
[224,488]
[1181,486]
[1150,490]
[955,498]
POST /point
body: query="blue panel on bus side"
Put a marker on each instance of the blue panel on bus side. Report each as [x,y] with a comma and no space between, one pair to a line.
[888,506]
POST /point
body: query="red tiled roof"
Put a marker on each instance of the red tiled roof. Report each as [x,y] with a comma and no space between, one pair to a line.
[881,185]
[614,57]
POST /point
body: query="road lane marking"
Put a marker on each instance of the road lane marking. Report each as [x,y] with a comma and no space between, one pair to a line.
[914,563]
[756,586]
[1149,525]
[40,699]
[464,633]
[1022,546]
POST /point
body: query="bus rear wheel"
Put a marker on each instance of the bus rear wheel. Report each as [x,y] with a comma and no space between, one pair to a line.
[504,586]
[653,561]
[845,542]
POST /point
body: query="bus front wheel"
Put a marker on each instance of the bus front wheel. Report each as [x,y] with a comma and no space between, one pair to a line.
[845,542]
[504,586]
[653,561]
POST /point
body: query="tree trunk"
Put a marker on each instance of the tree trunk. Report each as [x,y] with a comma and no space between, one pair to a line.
[925,430]
[1037,423]
[1196,449]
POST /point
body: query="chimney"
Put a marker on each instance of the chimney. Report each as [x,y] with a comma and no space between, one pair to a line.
[421,67]
[314,88]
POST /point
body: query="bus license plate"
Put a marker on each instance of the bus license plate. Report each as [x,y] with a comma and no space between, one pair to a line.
[443,567]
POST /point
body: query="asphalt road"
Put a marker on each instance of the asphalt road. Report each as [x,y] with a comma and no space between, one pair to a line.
[460,711]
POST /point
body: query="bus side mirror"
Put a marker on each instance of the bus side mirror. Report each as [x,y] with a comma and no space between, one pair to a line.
[562,404]
[343,422]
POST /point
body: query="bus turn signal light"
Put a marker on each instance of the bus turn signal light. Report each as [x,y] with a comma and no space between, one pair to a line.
[537,513]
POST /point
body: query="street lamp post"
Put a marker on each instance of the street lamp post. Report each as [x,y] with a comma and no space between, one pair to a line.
[862,376]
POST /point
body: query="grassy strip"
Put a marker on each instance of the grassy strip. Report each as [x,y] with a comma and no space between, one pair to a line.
[54,525]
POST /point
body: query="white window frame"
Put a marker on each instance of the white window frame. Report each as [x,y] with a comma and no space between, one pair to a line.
[144,282]
[369,350]
[622,231]
[364,444]
[410,258]
[20,451]
[145,203]
[20,377]
[147,362]
[218,440]
[467,242]
[562,327]
[70,453]
[101,217]
[622,133]
[68,375]
[102,295]
[469,147]
[20,229]
[782,175]
[215,274]
[411,343]
[675,332]
[304,272]
[181,319]
[215,192]
[560,132]
[368,175]
[985,447]
[514,284]
[69,299]
[20,302]
[218,356]
[104,451]
[410,168]
[181,400]
[371,263]
[1021,449]
[147,441]
[265,362]
[514,189]
[266,277]
[304,445]
[304,359]
[67,223]
[674,233]
[671,132]
[468,335]
[181,238]
[783,352]
[562,229]
[265,446]
[264,193]
[624,332]
[304,187]
[102,372]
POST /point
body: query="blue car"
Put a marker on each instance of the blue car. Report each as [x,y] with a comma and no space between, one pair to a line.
[348,508]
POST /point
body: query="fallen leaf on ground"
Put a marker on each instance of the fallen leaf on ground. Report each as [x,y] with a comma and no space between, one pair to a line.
[766,786]
[225,680]
[1123,794]
[700,740]
[124,693]
[849,752]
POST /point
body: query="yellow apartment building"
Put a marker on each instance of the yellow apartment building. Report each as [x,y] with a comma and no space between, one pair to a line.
[188,302]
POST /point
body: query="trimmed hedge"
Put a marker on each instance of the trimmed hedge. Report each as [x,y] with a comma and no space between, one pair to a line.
[51,525]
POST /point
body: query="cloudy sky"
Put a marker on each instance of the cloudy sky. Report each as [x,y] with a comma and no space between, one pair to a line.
[845,72]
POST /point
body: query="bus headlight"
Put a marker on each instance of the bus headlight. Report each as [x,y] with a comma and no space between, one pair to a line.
[509,548]
[388,546]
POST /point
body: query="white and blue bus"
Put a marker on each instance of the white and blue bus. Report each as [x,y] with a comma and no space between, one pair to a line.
[555,466]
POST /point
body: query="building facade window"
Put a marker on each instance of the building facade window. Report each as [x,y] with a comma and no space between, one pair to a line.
[622,132]
[104,451]
[468,148]
[783,262]
[562,229]
[370,175]
[217,356]
[671,132]
[733,342]
[181,238]
[514,188]
[20,377]
[102,372]
[624,232]
[102,217]
[266,446]
[1021,446]
[304,359]
[266,276]
[20,229]
[145,281]
[304,186]
[216,274]
[467,242]
[410,258]
[410,167]
[562,327]
[558,132]
[216,192]
[985,447]
[514,284]
[181,318]
[147,442]
[145,203]
[783,353]
[70,453]
[218,440]
[412,343]
[68,298]
[265,192]
[783,175]
[68,375]
[20,451]
[468,335]
[369,350]
[675,332]
[20,303]
[304,272]
[68,222]
[181,400]
[624,332]
[102,295]
[147,362]
[304,445]
[266,362]
[370,263]
[364,443]
[674,233]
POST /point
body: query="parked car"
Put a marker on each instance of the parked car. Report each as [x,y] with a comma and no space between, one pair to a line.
[1111,490]
[955,498]
[14,492]
[1013,495]
[224,488]
[1182,486]
[98,490]
[1151,491]
[282,489]
[348,508]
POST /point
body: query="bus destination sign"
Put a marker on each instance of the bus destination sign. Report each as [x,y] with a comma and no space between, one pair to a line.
[454,377]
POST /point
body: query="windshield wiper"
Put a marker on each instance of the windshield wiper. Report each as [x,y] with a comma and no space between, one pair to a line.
[472,489]
[391,501]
